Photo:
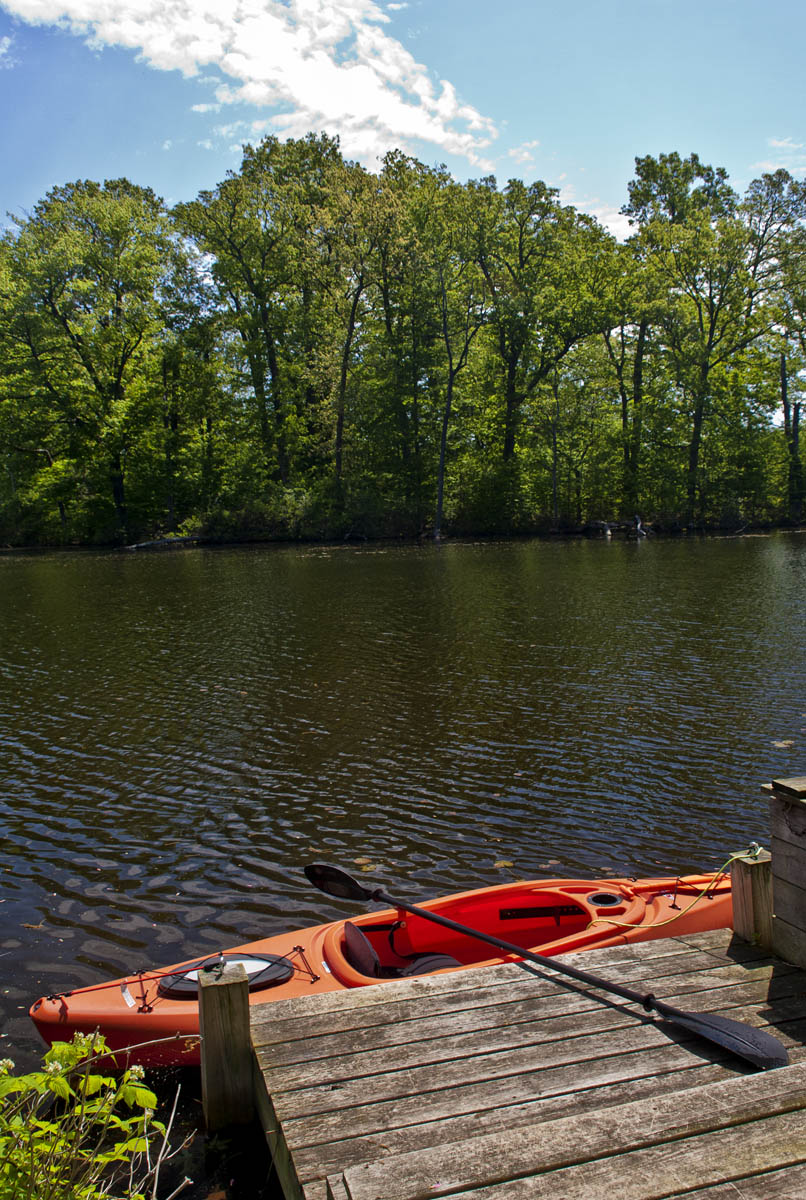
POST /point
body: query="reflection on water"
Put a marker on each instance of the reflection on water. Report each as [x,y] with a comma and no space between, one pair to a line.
[181,732]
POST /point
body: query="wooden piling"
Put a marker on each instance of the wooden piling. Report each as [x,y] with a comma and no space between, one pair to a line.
[751,888]
[788,846]
[226,1047]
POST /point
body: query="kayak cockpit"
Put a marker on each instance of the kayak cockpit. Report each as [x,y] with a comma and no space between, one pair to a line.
[361,955]
[387,945]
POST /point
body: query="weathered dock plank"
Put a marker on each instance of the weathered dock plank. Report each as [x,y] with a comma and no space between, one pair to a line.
[487,1083]
[526,1000]
[548,1146]
[666,1170]
[371,1005]
[482,1100]
[789,1184]
[543,1016]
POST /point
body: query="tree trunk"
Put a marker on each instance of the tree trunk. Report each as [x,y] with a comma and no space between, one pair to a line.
[414,477]
[511,405]
[170,419]
[795,479]
[283,465]
[695,445]
[208,463]
[256,373]
[555,502]
[343,374]
[443,444]
[632,412]
[796,488]
[119,495]
[634,432]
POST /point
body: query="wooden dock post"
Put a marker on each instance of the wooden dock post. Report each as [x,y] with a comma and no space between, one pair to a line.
[226,1047]
[788,847]
[751,887]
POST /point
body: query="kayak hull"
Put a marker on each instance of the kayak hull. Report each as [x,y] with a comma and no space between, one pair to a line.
[156,1013]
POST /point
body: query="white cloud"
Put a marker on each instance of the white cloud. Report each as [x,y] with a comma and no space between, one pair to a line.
[326,64]
[6,59]
[611,218]
[234,129]
[791,156]
[167,144]
[786,144]
[606,214]
[524,153]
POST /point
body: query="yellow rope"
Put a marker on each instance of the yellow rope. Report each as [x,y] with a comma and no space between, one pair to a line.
[752,851]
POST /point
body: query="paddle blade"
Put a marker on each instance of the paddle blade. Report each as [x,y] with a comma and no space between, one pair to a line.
[755,1045]
[336,882]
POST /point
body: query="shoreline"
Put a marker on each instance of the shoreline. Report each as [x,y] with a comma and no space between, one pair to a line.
[592,531]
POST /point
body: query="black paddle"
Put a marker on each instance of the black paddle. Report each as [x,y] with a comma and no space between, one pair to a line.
[755,1045]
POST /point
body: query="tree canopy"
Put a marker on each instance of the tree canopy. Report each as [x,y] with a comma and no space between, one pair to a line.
[313,350]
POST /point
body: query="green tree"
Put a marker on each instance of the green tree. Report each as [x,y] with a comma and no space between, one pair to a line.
[195,449]
[261,228]
[81,281]
[672,189]
[406,348]
[462,301]
[356,221]
[543,264]
[627,336]
[792,365]
[712,259]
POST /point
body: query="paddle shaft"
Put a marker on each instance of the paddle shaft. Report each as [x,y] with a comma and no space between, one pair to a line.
[754,1045]
[647,1000]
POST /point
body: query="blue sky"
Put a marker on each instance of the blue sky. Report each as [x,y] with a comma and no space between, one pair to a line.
[166,91]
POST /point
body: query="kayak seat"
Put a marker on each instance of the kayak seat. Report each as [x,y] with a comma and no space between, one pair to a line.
[361,955]
[425,963]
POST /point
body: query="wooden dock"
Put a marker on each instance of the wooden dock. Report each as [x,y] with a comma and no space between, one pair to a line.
[508,1084]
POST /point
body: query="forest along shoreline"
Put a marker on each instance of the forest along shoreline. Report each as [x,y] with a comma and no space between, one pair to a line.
[310,351]
[624,530]
[634,530]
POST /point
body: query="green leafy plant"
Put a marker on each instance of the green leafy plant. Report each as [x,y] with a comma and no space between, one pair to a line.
[72,1131]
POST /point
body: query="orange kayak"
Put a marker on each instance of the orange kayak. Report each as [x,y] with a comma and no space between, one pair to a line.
[546,916]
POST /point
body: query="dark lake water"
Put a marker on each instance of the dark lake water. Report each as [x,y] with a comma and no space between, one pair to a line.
[180,732]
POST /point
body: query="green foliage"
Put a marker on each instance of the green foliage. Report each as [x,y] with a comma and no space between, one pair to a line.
[310,350]
[80,322]
[68,1132]
[672,189]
